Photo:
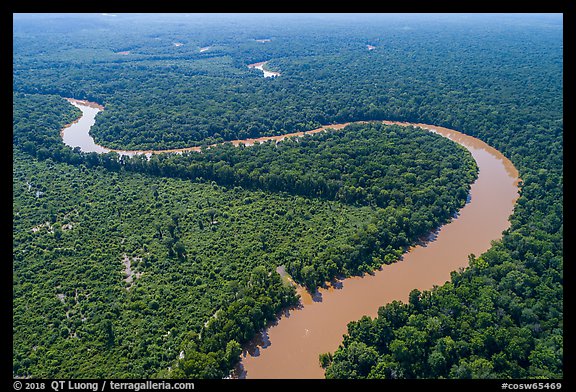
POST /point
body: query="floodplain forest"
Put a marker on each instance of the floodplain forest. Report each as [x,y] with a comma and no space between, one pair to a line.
[166,267]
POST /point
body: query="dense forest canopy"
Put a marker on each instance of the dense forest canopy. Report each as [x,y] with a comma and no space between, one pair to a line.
[174,248]
[162,96]
[181,272]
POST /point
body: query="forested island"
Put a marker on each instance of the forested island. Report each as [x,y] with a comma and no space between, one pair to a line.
[129,267]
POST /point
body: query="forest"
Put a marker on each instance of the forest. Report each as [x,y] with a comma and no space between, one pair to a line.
[181,272]
[179,236]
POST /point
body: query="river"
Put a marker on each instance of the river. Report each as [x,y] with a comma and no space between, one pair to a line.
[290,347]
[260,66]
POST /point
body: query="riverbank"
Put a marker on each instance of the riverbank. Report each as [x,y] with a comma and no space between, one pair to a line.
[290,348]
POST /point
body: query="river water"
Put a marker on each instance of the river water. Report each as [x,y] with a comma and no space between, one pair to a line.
[77,133]
[260,66]
[290,348]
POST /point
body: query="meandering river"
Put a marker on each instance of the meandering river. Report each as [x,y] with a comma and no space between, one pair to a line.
[290,347]
[260,66]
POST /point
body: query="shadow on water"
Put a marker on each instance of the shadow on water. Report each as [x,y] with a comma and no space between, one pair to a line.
[316,296]
[433,235]
[337,285]
[260,342]
[238,372]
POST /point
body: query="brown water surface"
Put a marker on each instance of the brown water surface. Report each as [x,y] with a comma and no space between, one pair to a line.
[290,348]
[77,134]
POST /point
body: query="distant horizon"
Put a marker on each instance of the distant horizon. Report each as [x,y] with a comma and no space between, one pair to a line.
[280,194]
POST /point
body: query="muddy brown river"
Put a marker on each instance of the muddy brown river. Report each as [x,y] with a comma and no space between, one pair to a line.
[290,347]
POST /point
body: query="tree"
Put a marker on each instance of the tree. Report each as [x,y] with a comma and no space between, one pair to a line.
[200,365]
[180,250]
[354,361]
[108,332]
[233,351]
[414,298]
[212,215]
[309,276]
[325,360]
